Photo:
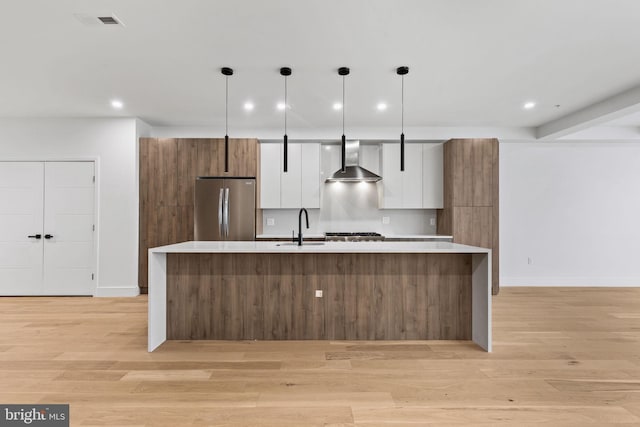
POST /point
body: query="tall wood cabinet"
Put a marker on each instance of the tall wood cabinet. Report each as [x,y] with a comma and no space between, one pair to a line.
[470,212]
[168,169]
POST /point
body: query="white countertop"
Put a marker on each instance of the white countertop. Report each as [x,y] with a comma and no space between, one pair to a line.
[324,247]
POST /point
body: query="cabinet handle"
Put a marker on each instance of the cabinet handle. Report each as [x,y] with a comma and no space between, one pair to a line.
[35,236]
[48,236]
[226,212]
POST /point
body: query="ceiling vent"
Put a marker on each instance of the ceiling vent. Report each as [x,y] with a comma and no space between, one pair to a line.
[99,19]
[108,20]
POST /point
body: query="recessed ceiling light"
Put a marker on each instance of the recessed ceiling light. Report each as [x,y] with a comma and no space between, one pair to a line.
[117,104]
[529,105]
[381,106]
[280,106]
[337,106]
[248,106]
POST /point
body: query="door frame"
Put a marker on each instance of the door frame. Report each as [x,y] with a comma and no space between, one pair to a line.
[96,202]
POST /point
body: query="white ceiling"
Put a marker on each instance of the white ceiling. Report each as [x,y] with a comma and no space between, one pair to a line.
[473,63]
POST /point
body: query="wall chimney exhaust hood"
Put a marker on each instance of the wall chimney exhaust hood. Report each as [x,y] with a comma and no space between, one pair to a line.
[353,171]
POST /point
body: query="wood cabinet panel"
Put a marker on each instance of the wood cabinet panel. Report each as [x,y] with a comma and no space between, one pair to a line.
[470,176]
[473,226]
[471,196]
[272,296]
[444,221]
[462,172]
[168,169]
[186,173]
[161,180]
[482,172]
[495,186]
[210,157]
[242,157]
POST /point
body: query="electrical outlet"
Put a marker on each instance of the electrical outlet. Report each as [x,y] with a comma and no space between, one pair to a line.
[386,220]
[432,221]
[318,293]
[271,221]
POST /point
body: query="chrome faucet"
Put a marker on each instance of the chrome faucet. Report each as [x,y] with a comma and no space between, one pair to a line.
[306,215]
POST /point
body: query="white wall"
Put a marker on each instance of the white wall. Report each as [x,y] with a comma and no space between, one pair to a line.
[574,209]
[113,143]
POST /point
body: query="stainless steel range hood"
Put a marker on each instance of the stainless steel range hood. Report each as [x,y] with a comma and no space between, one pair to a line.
[353,171]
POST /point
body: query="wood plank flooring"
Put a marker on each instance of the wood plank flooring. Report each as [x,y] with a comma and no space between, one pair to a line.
[562,356]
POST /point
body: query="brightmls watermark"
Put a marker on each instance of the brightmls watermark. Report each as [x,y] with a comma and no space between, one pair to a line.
[34,415]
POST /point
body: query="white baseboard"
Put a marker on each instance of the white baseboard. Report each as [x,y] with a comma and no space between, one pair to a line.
[117,292]
[586,282]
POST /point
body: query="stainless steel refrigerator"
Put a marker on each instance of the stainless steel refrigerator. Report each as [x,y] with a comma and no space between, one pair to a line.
[225,208]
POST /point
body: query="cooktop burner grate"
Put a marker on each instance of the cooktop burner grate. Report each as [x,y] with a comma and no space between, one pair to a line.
[354,236]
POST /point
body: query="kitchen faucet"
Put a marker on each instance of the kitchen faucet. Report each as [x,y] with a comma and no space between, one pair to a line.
[306,215]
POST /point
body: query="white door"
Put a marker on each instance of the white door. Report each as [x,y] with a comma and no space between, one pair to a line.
[21,215]
[68,232]
[47,228]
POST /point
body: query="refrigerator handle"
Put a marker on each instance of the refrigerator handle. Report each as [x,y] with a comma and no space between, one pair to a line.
[226,212]
[220,202]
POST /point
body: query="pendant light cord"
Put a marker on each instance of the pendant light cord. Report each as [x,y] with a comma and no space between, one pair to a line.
[343,105]
[226,106]
[285,105]
[402,103]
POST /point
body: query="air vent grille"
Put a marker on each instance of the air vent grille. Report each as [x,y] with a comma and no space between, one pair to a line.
[99,20]
[108,20]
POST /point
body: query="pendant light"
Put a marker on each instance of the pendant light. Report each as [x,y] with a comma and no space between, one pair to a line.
[226,72]
[343,71]
[402,71]
[285,72]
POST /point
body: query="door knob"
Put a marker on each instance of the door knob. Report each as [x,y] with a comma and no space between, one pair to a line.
[48,236]
[35,236]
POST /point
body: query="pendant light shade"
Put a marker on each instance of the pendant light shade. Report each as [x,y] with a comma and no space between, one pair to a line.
[402,71]
[285,72]
[343,71]
[226,72]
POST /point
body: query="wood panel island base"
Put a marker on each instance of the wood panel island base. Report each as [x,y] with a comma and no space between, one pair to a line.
[334,291]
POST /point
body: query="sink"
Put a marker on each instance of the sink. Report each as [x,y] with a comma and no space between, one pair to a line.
[303,244]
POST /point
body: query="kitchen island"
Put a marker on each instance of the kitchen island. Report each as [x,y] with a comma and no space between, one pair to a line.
[332,290]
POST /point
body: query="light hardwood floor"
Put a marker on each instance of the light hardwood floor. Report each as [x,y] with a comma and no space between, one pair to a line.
[562,356]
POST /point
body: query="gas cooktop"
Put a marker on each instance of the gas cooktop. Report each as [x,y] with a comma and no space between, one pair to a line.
[353,236]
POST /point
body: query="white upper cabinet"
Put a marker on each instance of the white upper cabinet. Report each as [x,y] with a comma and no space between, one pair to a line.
[291,181]
[390,196]
[270,169]
[419,186]
[412,176]
[433,175]
[310,182]
[299,186]
[401,189]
